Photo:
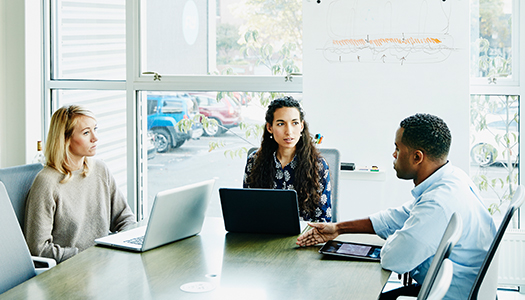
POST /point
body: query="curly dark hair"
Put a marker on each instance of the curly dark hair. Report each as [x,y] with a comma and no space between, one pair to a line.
[306,182]
[427,133]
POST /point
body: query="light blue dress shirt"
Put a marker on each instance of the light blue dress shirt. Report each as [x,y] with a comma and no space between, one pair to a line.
[414,230]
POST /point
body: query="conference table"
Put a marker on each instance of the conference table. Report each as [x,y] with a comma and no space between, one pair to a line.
[211,265]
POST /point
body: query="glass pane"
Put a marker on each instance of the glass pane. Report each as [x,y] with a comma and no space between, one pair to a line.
[110,109]
[215,37]
[216,149]
[494,148]
[491,39]
[89,39]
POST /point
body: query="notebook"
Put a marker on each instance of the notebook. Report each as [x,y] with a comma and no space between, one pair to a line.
[176,214]
[260,211]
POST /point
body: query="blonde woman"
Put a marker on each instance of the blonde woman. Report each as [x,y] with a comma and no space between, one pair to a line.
[74,199]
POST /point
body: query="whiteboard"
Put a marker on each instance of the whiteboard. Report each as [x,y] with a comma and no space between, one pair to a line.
[368,64]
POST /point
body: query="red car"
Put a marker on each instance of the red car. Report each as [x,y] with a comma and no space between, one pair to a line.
[226,112]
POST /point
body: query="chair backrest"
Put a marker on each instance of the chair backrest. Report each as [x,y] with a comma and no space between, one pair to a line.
[18,181]
[16,265]
[517,201]
[448,241]
[332,157]
[443,280]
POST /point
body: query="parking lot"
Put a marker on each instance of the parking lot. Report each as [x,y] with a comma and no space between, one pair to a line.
[193,162]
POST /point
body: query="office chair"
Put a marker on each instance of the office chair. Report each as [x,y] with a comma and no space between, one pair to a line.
[517,201]
[18,181]
[16,263]
[448,241]
[332,157]
[443,280]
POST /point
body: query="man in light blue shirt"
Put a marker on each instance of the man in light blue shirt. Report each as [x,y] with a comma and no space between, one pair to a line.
[414,230]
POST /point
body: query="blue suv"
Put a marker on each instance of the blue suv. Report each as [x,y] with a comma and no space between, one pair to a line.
[165,110]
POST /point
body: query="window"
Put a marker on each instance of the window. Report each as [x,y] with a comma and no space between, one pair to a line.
[495,102]
[159,74]
[108,107]
[493,42]
[89,39]
[203,151]
[495,148]
[243,38]
[188,59]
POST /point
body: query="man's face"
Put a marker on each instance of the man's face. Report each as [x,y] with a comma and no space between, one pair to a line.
[403,158]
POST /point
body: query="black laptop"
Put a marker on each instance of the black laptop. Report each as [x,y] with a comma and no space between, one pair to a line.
[260,211]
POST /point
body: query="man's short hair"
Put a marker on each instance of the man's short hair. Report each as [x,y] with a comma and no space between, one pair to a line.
[427,133]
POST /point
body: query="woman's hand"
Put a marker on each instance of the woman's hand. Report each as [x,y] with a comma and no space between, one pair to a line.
[319,233]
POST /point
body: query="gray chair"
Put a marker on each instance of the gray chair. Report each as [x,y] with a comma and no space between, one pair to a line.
[18,181]
[489,292]
[16,263]
[332,157]
[448,241]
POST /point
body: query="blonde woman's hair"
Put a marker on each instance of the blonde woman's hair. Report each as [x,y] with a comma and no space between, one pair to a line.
[57,153]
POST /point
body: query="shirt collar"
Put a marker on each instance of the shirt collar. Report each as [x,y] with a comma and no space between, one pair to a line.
[436,176]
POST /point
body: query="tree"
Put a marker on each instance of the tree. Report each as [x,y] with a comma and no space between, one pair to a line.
[494,43]
[227,45]
[497,118]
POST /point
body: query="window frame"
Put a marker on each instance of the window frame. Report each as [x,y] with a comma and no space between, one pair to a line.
[514,86]
[136,82]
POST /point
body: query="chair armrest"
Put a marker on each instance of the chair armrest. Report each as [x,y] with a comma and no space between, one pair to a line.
[43,263]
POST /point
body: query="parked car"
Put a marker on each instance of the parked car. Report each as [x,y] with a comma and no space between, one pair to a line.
[489,147]
[226,112]
[165,110]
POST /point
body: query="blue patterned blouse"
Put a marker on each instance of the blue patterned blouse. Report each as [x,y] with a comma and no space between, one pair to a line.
[284,179]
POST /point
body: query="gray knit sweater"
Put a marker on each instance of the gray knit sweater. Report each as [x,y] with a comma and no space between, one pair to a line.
[63,219]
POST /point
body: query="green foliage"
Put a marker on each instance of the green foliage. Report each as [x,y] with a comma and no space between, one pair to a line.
[252,130]
[240,152]
[271,36]
[489,116]
[490,65]
[279,62]
[264,98]
[495,39]
[227,37]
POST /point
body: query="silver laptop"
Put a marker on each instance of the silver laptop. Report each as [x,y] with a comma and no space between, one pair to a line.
[176,214]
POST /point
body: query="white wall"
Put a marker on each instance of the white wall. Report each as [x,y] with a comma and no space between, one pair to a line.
[12,83]
[33,77]
[19,119]
[358,103]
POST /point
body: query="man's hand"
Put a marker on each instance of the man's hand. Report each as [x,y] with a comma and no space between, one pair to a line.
[320,233]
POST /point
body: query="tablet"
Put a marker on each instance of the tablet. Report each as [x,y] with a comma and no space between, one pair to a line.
[353,250]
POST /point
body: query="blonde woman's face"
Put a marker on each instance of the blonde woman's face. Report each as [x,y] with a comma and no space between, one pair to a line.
[83,141]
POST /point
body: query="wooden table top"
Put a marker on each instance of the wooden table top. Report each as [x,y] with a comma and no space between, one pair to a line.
[215,264]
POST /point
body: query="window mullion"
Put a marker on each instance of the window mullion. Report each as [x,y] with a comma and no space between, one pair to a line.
[134,165]
[222,83]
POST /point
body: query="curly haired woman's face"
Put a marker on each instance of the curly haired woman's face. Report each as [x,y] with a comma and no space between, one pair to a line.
[287,127]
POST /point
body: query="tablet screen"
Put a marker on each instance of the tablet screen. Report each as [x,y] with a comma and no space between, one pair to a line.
[350,249]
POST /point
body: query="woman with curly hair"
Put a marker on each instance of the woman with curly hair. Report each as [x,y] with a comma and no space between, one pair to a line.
[288,159]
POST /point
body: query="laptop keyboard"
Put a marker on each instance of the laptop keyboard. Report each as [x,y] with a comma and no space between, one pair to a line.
[137,241]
